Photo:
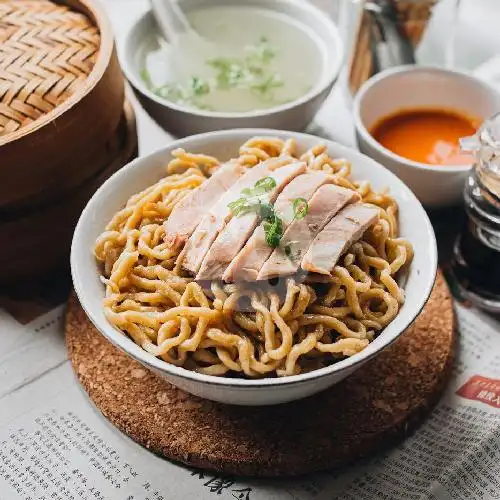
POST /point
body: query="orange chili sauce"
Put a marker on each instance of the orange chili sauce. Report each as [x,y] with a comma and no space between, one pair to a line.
[426,135]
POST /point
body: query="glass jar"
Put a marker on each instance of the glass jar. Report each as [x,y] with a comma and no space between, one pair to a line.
[476,255]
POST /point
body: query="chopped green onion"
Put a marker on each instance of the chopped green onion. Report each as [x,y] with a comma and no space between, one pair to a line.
[265,185]
[300,208]
[253,72]
[146,77]
[265,86]
[273,231]
[249,201]
[266,211]
[261,187]
[263,51]
[199,86]
[239,206]
[171,91]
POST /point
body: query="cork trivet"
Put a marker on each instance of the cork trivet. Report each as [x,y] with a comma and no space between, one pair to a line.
[380,403]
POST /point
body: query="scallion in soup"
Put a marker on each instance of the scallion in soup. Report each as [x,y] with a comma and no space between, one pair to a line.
[236,59]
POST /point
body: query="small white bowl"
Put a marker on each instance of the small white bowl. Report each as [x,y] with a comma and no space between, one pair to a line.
[136,176]
[413,87]
[295,115]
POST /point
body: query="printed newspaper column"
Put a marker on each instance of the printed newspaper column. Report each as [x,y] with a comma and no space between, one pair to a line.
[54,445]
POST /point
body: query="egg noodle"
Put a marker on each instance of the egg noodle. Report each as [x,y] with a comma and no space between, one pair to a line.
[279,327]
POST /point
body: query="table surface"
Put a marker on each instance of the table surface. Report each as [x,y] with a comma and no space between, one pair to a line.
[32,384]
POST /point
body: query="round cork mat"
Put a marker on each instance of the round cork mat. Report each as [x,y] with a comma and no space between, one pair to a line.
[380,403]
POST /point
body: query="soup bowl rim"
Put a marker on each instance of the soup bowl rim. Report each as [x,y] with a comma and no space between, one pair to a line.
[365,134]
[327,78]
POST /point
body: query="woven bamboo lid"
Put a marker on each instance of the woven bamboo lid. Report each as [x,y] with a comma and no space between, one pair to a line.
[61,97]
[46,53]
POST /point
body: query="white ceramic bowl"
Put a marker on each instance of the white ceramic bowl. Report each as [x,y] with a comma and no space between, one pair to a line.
[145,171]
[296,115]
[410,87]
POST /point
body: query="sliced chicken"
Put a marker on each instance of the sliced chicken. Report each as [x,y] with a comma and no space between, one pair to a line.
[238,230]
[324,204]
[214,221]
[249,261]
[337,237]
[188,213]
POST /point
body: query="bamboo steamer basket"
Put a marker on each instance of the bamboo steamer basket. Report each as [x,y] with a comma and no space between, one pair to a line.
[37,243]
[61,98]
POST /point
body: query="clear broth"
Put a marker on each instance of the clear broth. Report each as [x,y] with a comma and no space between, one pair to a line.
[244,59]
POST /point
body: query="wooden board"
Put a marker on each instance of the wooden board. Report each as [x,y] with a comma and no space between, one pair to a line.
[378,404]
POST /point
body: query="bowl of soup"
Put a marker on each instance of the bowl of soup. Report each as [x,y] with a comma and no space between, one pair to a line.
[266,63]
[411,118]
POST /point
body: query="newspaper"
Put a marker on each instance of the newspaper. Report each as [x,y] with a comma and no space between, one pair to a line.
[54,445]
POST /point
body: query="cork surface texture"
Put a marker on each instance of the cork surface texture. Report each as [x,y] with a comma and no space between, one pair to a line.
[378,405]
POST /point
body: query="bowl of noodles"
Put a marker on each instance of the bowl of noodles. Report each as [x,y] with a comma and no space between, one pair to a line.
[188,261]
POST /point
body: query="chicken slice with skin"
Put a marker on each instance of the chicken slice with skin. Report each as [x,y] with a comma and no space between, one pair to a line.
[214,221]
[249,261]
[188,213]
[232,238]
[337,237]
[324,204]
